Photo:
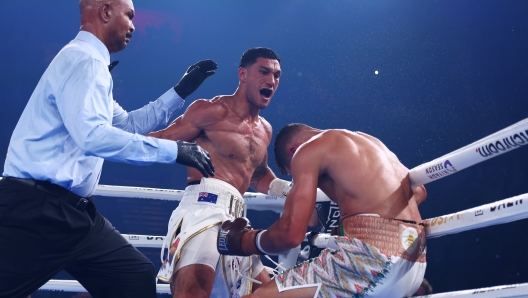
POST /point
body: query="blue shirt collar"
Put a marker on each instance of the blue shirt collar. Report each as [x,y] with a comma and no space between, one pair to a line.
[96,43]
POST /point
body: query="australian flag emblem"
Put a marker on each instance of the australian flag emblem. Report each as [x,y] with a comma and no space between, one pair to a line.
[207,197]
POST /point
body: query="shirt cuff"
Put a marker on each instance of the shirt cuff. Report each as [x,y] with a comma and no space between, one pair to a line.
[171,101]
[167,151]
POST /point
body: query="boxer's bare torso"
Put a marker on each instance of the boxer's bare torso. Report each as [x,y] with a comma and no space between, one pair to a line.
[355,170]
[237,146]
[230,129]
[362,175]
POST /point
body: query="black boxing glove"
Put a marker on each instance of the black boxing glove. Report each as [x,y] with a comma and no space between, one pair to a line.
[194,77]
[192,155]
[237,238]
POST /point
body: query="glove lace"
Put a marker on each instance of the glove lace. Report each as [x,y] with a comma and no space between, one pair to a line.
[274,271]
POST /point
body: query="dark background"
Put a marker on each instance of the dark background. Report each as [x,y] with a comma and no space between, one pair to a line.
[450,73]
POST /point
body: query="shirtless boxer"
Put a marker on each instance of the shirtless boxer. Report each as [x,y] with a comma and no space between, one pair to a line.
[230,129]
[380,250]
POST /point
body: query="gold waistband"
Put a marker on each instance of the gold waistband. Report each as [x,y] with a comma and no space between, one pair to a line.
[392,237]
[236,206]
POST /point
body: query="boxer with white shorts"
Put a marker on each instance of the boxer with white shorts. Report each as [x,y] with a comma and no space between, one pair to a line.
[230,129]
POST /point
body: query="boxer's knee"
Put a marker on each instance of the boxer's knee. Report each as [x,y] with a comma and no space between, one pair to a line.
[193,281]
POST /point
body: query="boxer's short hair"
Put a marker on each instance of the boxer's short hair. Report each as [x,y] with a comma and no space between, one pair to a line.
[284,137]
[251,55]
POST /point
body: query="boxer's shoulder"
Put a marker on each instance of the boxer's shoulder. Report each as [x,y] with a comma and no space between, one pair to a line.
[207,111]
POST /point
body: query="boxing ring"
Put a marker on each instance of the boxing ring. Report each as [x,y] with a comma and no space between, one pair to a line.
[500,212]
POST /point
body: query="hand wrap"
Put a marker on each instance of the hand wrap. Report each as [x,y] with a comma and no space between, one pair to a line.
[279,188]
[237,238]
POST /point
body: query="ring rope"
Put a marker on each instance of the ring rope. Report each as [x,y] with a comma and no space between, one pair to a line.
[75,286]
[515,290]
[503,211]
[254,201]
[512,137]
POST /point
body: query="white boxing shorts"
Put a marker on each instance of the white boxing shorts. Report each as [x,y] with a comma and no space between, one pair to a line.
[193,229]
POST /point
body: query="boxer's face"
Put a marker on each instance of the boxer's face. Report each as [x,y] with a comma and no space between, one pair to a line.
[261,81]
[120,26]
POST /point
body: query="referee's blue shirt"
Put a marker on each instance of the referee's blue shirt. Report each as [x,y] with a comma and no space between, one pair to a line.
[71,123]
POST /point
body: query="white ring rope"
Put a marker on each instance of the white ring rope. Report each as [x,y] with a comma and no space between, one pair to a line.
[75,286]
[254,201]
[516,290]
[493,145]
[500,212]
[503,211]
[139,192]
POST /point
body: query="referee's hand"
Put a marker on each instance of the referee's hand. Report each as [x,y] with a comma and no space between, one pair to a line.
[192,155]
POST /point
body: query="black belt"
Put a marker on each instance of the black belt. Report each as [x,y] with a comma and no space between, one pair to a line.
[63,194]
[410,222]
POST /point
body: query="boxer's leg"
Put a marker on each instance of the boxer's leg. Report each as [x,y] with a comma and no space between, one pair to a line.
[193,281]
[195,270]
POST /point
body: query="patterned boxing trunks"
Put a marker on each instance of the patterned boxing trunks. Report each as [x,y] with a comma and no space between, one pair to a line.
[378,257]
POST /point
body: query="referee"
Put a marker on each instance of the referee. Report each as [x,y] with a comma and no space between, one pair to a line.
[48,221]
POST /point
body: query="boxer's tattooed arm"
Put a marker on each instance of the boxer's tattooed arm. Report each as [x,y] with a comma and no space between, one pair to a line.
[260,172]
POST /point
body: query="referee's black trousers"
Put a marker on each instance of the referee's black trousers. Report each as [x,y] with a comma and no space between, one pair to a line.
[41,233]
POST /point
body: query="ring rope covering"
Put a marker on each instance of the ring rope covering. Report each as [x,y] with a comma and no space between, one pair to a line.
[254,201]
[503,211]
[75,286]
[505,140]
[511,291]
